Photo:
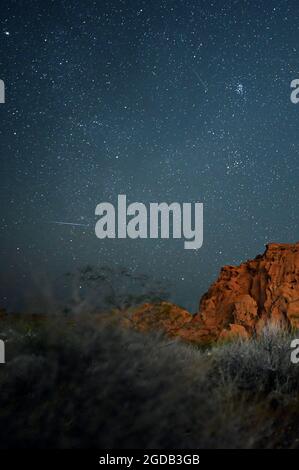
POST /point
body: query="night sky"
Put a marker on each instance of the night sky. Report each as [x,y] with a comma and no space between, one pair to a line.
[162,101]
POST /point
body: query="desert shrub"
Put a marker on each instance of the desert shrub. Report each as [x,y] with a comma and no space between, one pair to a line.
[89,383]
[261,365]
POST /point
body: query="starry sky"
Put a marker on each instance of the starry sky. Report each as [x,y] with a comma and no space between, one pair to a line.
[161,100]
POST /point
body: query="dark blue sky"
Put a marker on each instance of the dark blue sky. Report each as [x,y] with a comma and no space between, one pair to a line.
[160,100]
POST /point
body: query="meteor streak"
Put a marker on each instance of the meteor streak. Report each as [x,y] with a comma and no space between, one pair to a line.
[201,80]
[74,224]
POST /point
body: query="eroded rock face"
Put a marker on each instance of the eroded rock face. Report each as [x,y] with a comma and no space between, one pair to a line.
[239,303]
[245,297]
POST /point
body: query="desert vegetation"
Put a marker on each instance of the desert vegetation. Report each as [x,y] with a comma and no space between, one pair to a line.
[87,382]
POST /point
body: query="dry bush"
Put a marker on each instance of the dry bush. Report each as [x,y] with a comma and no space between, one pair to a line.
[92,384]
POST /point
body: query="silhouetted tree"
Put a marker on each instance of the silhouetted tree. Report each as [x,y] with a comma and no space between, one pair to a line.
[106,288]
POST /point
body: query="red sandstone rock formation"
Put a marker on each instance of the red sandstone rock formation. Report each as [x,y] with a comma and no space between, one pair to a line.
[162,316]
[240,302]
[246,297]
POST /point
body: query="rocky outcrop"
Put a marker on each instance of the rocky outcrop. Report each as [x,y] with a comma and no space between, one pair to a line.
[164,316]
[241,301]
[170,319]
[246,297]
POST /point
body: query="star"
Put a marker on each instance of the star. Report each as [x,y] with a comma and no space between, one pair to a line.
[240,89]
